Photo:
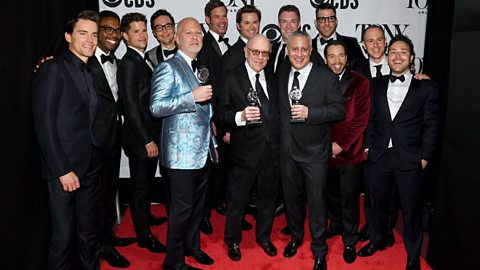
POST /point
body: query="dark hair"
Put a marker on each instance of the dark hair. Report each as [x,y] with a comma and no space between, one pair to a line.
[378,26]
[131,17]
[400,37]
[211,5]
[323,6]
[108,14]
[89,15]
[289,8]
[158,13]
[334,43]
[248,9]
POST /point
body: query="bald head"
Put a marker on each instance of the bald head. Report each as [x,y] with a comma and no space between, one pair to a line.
[189,37]
[257,52]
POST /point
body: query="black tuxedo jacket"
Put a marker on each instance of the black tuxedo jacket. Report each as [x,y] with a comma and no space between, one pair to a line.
[271,61]
[234,56]
[247,142]
[106,124]
[310,141]
[354,52]
[414,129]
[64,104]
[363,67]
[134,80]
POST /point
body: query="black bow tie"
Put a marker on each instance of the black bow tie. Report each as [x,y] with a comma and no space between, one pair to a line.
[195,65]
[110,58]
[323,41]
[220,39]
[394,78]
[168,52]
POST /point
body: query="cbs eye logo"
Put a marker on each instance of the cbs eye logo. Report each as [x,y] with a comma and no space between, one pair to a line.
[272,32]
[343,4]
[130,3]
[112,3]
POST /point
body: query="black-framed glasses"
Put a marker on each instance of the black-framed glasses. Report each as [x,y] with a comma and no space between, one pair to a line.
[329,19]
[110,30]
[161,27]
[257,52]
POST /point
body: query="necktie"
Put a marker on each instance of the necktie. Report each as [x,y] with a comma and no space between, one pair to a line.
[261,95]
[295,84]
[394,78]
[225,40]
[281,57]
[194,65]
[323,41]
[110,58]
[379,70]
[168,52]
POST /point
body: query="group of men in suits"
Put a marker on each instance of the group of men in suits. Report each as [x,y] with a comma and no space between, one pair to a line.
[302,133]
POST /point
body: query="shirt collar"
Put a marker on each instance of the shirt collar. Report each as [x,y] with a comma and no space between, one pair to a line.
[252,73]
[186,58]
[138,51]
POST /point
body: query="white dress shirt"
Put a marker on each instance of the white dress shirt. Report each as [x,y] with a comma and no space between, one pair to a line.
[385,68]
[320,47]
[110,70]
[396,93]
[302,78]
[252,77]
[222,45]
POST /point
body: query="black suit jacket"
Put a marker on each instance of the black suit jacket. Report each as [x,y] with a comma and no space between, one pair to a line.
[354,52]
[363,67]
[134,79]
[234,56]
[414,129]
[106,124]
[247,142]
[310,141]
[271,61]
[64,104]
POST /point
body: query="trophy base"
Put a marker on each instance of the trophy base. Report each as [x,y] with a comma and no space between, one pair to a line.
[254,123]
[293,121]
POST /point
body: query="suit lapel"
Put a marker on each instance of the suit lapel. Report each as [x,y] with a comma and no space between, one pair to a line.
[345,81]
[214,43]
[384,89]
[100,79]
[408,98]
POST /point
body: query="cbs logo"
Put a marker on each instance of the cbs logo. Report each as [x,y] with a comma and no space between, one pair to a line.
[130,3]
[338,4]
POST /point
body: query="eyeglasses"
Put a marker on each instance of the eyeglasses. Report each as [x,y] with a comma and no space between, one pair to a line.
[160,27]
[257,52]
[110,30]
[329,19]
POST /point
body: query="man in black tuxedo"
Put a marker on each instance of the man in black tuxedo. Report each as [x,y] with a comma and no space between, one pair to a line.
[215,44]
[401,138]
[254,149]
[326,23]
[306,143]
[64,106]
[288,22]
[103,66]
[140,130]
[163,29]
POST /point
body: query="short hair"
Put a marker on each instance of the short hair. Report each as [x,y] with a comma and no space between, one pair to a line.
[378,26]
[89,15]
[211,5]
[108,14]
[400,37]
[158,13]
[323,6]
[289,8]
[334,43]
[300,33]
[129,18]
[248,9]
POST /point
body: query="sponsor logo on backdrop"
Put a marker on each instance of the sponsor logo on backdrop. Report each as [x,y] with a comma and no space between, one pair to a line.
[391,30]
[272,31]
[420,5]
[418,61]
[338,4]
[234,5]
[130,3]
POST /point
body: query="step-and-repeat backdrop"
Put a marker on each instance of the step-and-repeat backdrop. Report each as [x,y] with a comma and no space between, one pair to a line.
[408,17]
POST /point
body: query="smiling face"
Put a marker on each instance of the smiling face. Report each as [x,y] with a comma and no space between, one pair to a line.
[299,51]
[83,40]
[136,36]
[399,58]
[218,20]
[257,45]
[189,37]
[288,23]
[374,44]
[109,41]
[336,59]
[164,36]
[326,28]
[249,25]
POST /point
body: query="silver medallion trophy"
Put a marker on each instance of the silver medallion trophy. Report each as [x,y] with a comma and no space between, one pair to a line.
[203,74]
[252,99]
[295,95]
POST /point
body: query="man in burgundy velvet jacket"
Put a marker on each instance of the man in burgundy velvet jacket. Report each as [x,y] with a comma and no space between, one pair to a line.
[348,152]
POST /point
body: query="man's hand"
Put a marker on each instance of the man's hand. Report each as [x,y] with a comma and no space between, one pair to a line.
[202,93]
[251,113]
[226,137]
[336,149]
[152,149]
[421,76]
[424,164]
[69,182]
[299,112]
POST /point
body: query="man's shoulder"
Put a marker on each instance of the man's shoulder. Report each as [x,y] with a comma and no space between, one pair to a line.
[346,39]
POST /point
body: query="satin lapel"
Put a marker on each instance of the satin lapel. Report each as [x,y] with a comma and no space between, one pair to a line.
[383,89]
[409,98]
[142,61]
[99,77]
[345,82]
[214,44]
[79,83]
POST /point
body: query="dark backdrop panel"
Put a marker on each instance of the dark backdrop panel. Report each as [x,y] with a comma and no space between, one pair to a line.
[456,221]
[30,29]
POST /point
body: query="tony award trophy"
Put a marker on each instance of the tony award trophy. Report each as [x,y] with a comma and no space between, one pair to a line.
[295,95]
[202,75]
[252,99]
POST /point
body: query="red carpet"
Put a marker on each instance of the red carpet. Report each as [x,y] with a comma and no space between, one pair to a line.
[253,258]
